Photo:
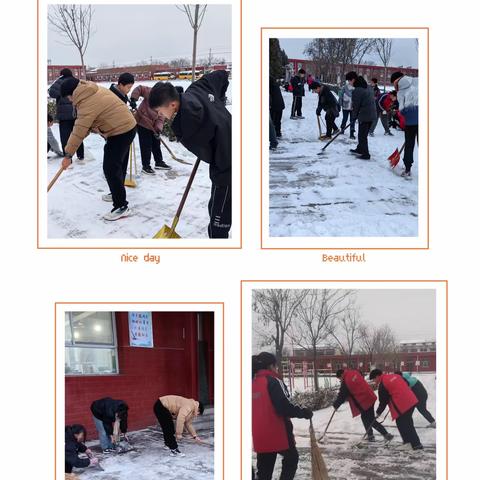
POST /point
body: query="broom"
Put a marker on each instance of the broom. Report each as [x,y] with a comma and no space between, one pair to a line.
[130,181]
[319,469]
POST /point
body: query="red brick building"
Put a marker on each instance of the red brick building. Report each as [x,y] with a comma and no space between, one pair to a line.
[53,71]
[103,358]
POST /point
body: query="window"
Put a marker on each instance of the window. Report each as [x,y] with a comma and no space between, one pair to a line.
[90,343]
[425,364]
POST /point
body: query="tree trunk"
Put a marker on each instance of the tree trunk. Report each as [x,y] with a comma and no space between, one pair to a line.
[315,377]
[83,64]
[385,80]
[195,33]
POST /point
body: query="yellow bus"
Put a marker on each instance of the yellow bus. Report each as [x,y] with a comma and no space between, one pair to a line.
[163,76]
[187,74]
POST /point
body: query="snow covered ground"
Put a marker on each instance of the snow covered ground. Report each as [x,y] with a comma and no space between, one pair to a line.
[149,460]
[337,194]
[75,206]
[374,462]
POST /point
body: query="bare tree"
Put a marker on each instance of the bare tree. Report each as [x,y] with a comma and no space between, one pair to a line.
[74,23]
[383,47]
[315,320]
[195,15]
[276,309]
[179,62]
[378,343]
[346,332]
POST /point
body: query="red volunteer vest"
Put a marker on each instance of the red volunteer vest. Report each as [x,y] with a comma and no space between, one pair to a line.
[268,428]
[402,398]
[360,392]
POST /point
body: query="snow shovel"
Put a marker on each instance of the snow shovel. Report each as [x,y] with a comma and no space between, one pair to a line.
[394,158]
[169,232]
[326,428]
[333,138]
[357,445]
[55,178]
[319,469]
[130,181]
[179,160]
[319,128]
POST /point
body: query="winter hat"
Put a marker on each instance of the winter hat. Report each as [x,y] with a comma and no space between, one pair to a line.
[126,79]
[66,72]
[395,76]
[68,86]
[375,373]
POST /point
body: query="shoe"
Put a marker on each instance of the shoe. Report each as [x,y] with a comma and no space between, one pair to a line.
[81,161]
[371,438]
[404,447]
[388,437]
[406,174]
[352,137]
[162,166]
[148,171]
[176,453]
[292,117]
[118,213]
[301,117]
[59,154]
[418,447]
[432,425]
[371,134]
[336,131]
[107,198]
[364,157]
[388,134]
[325,137]
[355,151]
[108,451]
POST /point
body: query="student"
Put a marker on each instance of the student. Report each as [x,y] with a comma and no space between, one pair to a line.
[298,91]
[422,396]
[122,88]
[65,112]
[364,111]
[345,102]
[271,425]
[361,398]
[52,143]
[272,137]
[149,126]
[277,105]
[75,436]
[376,96]
[99,110]
[327,102]
[407,94]
[385,107]
[106,412]
[184,411]
[201,122]
[394,392]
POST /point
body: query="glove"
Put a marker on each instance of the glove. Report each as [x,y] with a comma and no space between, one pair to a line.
[133,104]
[93,462]
[308,414]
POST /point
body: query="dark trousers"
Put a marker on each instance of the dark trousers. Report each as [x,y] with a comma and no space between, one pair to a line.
[346,115]
[115,163]
[66,127]
[266,464]
[296,106]
[277,121]
[330,121]
[148,145]
[407,428]
[411,134]
[220,211]
[422,396]
[363,129]
[369,422]
[385,119]
[272,136]
[165,420]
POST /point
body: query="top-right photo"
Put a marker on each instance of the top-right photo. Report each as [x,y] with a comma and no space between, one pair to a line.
[345,162]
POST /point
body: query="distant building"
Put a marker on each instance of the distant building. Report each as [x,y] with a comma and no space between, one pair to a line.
[418,347]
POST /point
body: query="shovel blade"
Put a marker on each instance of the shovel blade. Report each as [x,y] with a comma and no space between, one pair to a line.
[166,232]
[394,158]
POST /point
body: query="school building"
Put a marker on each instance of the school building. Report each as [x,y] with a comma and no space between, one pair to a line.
[53,72]
[136,357]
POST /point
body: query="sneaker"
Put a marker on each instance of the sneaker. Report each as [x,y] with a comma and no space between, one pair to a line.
[162,166]
[355,151]
[148,171]
[336,131]
[371,134]
[117,214]
[325,137]
[432,425]
[108,451]
[404,447]
[418,447]
[406,174]
[107,198]
[388,437]
[292,117]
[301,117]
[364,157]
[388,134]
[176,453]
[371,438]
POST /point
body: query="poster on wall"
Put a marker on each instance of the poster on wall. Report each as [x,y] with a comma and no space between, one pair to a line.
[140,329]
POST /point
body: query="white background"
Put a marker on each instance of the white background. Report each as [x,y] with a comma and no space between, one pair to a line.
[33,280]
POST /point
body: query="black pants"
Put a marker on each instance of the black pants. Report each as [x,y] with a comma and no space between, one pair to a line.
[66,127]
[148,145]
[422,396]
[407,428]
[296,106]
[385,119]
[369,422]
[330,121]
[266,464]
[115,163]
[411,134]
[346,115]
[165,420]
[277,121]
[220,211]
[363,129]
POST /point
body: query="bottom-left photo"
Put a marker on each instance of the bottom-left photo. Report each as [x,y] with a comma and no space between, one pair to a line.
[139,393]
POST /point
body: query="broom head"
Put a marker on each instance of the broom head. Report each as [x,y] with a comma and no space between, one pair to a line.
[319,469]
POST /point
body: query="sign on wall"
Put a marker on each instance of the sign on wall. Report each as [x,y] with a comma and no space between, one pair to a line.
[140,329]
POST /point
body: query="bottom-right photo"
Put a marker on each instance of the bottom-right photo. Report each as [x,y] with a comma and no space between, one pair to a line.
[344,383]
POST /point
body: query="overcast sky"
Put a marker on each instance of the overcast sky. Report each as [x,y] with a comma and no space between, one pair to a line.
[128,34]
[404,51]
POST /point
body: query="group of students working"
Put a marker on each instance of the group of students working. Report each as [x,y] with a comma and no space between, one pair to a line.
[360,103]
[174,414]
[198,118]
[272,410]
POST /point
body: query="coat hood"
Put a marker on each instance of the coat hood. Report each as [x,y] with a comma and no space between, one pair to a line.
[84,90]
[405,82]
[267,373]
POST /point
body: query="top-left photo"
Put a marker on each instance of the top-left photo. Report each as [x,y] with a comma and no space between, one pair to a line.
[136,148]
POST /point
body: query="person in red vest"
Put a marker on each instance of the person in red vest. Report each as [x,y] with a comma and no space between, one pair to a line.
[394,392]
[361,398]
[272,428]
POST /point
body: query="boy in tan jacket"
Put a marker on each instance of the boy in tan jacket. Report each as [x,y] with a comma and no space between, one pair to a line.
[184,410]
[101,111]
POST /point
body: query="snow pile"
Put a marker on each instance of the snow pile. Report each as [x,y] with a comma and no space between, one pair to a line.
[336,194]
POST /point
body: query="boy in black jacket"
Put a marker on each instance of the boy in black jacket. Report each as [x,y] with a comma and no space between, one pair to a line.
[74,438]
[203,125]
[327,102]
[298,91]
[277,105]
[122,88]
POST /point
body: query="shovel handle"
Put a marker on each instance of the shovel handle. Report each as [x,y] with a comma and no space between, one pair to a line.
[168,148]
[328,424]
[187,189]
[54,179]
[333,138]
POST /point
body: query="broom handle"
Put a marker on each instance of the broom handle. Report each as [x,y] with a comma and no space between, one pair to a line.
[328,424]
[134,156]
[168,148]
[333,138]
[187,189]
[131,161]
[54,179]
[403,147]
[319,126]
[372,424]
